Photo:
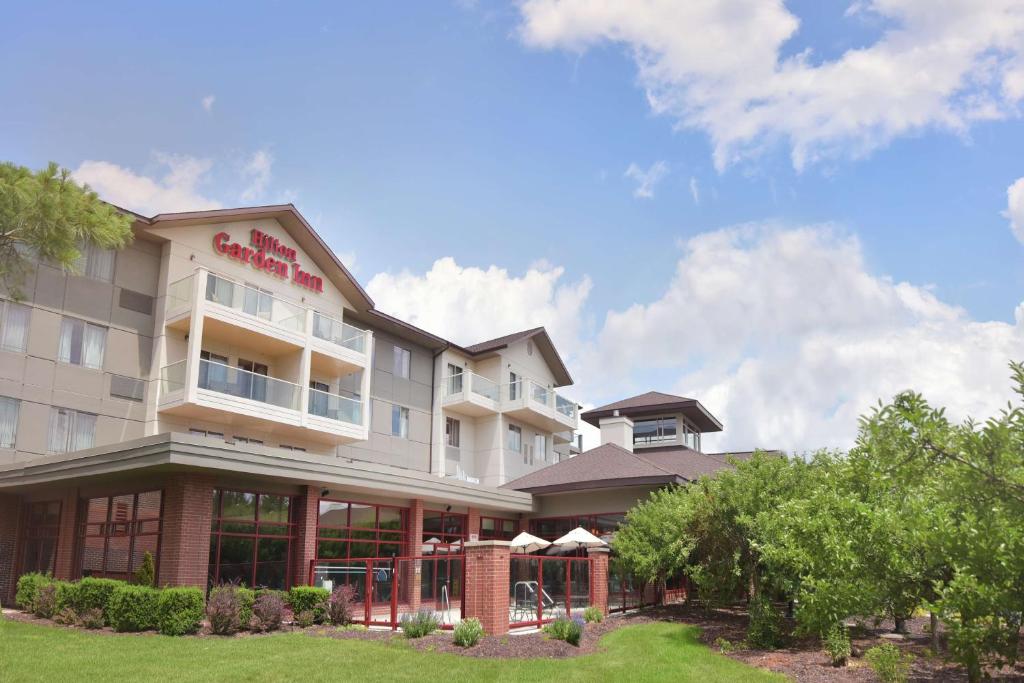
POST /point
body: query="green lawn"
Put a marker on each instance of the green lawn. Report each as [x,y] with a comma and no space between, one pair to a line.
[650,652]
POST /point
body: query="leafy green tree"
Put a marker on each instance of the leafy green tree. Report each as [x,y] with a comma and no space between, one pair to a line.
[654,540]
[46,216]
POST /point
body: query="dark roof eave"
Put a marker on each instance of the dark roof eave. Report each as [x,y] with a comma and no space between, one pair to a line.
[601,484]
[593,417]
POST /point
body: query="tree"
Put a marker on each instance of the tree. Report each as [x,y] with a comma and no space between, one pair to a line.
[46,216]
[654,541]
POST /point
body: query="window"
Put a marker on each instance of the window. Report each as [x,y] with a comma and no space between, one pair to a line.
[498,529]
[117,533]
[351,530]
[402,361]
[250,539]
[319,401]
[245,439]
[95,262]
[552,528]
[540,447]
[257,302]
[207,433]
[515,439]
[656,431]
[454,379]
[400,422]
[70,430]
[443,528]
[451,432]
[291,448]
[513,386]
[9,409]
[14,329]
[251,382]
[82,343]
[39,534]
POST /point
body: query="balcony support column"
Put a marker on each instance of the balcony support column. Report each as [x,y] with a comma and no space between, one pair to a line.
[364,382]
[195,334]
[305,367]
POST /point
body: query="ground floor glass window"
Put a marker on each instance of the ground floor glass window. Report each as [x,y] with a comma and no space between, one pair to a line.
[117,532]
[39,537]
[250,539]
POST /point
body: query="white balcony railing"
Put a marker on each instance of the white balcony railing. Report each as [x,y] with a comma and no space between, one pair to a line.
[172,377]
[528,392]
[240,383]
[338,332]
[255,302]
[335,407]
[459,383]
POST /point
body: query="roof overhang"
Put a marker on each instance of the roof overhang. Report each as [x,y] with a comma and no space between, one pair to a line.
[544,344]
[691,409]
[598,484]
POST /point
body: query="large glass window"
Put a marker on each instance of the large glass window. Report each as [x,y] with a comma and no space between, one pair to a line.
[39,537]
[117,532]
[444,529]
[9,409]
[402,362]
[95,262]
[540,448]
[552,528]
[14,319]
[250,539]
[498,529]
[400,421]
[454,379]
[515,439]
[657,431]
[70,430]
[353,530]
[82,343]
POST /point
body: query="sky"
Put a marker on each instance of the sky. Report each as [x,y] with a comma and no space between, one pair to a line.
[788,211]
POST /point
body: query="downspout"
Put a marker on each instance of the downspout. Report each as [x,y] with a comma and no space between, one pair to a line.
[433,392]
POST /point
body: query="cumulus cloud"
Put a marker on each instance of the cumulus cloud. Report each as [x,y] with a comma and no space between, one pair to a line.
[176,190]
[646,179]
[470,304]
[1015,208]
[207,102]
[256,171]
[720,66]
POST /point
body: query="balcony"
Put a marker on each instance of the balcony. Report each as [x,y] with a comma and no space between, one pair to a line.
[471,394]
[345,344]
[334,414]
[539,406]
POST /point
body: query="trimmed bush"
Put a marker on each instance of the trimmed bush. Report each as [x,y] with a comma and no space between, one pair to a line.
[180,611]
[569,630]
[593,615]
[309,599]
[224,610]
[93,593]
[764,630]
[837,645]
[91,618]
[305,618]
[67,593]
[267,611]
[145,575]
[468,632]
[133,608]
[45,603]
[66,617]
[339,606]
[889,663]
[28,586]
[423,623]
[246,598]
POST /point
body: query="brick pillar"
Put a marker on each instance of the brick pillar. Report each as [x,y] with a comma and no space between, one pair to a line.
[185,545]
[10,512]
[473,524]
[487,577]
[599,578]
[65,563]
[307,514]
[410,573]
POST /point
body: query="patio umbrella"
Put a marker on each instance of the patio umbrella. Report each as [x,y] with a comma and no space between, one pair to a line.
[428,545]
[579,538]
[528,543]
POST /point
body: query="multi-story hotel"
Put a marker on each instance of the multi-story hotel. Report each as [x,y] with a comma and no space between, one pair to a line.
[223,394]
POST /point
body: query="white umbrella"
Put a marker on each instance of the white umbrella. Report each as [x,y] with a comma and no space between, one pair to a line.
[579,538]
[428,545]
[528,543]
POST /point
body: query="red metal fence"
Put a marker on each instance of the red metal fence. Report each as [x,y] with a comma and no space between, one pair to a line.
[541,589]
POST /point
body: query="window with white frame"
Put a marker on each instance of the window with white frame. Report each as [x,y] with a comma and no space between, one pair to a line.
[452,427]
[82,343]
[70,430]
[402,362]
[9,409]
[400,421]
[540,447]
[95,262]
[515,438]
[14,326]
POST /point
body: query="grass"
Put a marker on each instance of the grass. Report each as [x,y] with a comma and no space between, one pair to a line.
[649,652]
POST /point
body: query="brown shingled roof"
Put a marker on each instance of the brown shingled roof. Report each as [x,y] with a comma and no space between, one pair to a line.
[655,403]
[544,345]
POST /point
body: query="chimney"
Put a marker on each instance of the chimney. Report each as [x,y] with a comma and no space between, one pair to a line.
[617,429]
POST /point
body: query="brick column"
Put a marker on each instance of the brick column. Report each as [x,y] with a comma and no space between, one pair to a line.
[487,576]
[307,514]
[473,523]
[599,578]
[185,545]
[65,562]
[410,573]
[10,512]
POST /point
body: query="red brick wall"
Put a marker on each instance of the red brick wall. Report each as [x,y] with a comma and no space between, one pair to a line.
[185,546]
[65,564]
[409,579]
[487,576]
[473,523]
[599,578]
[10,511]
[307,513]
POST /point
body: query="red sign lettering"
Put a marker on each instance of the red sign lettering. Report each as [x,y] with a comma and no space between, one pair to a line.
[268,254]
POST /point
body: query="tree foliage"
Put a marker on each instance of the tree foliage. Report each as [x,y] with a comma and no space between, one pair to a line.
[46,216]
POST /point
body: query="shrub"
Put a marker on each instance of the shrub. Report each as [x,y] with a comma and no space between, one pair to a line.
[66,617]
[45,603]
[246,598]
[91,618]
[593,614]
[305,618]
[224,610]
[28,586]
[889,663]
[339,606]
[179,611]
[569,630]
[423,623]
[145,575]
[764,630]
[468,632]
[837,644]
[133,608]
[67,594]
[309,599]
[267,612]
[94,593]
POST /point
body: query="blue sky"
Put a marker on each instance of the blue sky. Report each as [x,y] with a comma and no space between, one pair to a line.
[501,135]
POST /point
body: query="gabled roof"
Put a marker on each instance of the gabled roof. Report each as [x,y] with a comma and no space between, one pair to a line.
[540,337]
[656,403]
[612,466]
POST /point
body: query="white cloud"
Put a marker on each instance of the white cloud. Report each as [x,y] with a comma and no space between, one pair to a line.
[695,190]
[256,170]
[177,190]
[469,304]
[646,180]
[1015,208]
[787,337]
[718,66]
[207,102]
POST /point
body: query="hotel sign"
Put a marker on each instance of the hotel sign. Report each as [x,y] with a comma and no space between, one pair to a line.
[265,252]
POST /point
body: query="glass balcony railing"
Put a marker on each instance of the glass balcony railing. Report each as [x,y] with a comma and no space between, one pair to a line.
[334,407]
[179,293]
[338,332]
[255,302]
[226,379]
[172,377]
[540,394]
[565,406]
[458,383]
